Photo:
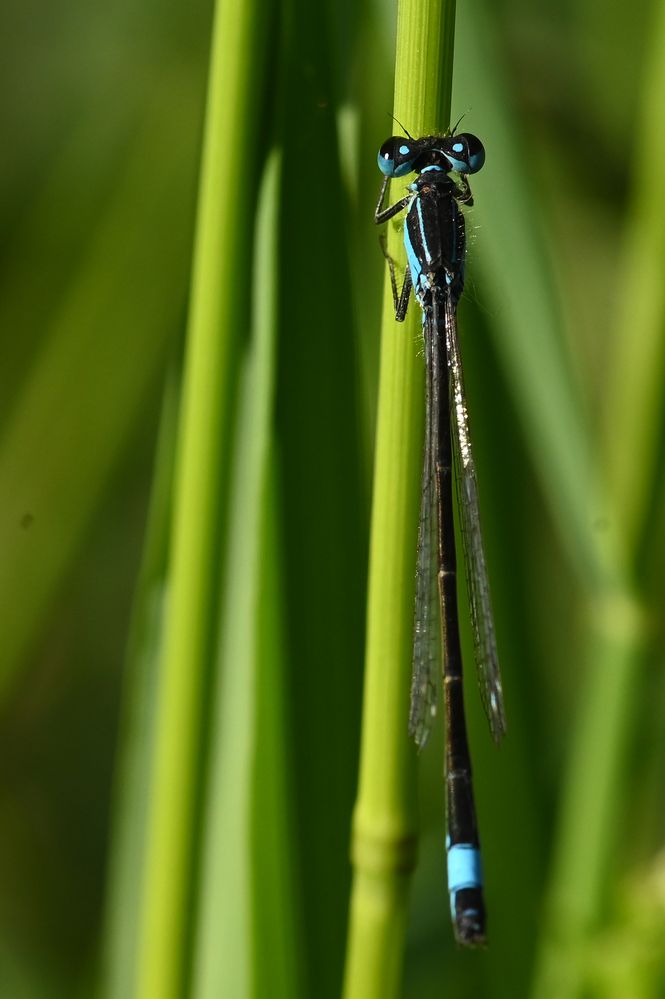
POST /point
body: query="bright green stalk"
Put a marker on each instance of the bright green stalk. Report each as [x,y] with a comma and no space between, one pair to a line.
[228,959]
[384,828]
[215,327]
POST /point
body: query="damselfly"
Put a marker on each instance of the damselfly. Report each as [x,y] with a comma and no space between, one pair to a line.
[435,242]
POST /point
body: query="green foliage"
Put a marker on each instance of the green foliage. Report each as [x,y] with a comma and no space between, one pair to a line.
[215,862]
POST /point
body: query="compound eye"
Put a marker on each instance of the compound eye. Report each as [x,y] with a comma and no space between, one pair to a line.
[469,150]
[475,153]
[395,157]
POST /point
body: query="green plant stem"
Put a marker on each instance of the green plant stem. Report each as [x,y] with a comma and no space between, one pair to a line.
[384,827]
[226,944]
[221,262]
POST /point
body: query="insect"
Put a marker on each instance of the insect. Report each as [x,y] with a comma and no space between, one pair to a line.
[435,244]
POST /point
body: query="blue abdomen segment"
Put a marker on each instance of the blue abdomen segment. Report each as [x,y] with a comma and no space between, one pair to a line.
[465,870]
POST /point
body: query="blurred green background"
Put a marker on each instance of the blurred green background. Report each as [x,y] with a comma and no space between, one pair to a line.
[103,111]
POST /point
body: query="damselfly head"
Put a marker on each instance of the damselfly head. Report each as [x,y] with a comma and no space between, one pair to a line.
[462,153]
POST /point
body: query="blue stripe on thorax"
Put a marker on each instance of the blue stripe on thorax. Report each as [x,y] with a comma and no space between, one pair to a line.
[423,234]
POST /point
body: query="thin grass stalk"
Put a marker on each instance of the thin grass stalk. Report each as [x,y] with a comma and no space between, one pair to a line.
[384,824]
[227,959]
[215,329]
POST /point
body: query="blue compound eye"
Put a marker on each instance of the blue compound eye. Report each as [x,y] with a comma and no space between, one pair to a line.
[475,153]
[466,153]
[396,156]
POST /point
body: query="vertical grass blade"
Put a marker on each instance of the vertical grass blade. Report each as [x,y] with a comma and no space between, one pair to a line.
[384,825]
[229,954]
[322,514]
[216,328]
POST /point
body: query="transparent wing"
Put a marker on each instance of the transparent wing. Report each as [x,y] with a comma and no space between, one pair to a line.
[425,678]
[482,619]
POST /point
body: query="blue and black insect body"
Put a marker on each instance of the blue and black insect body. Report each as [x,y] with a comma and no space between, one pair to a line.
[435,244]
